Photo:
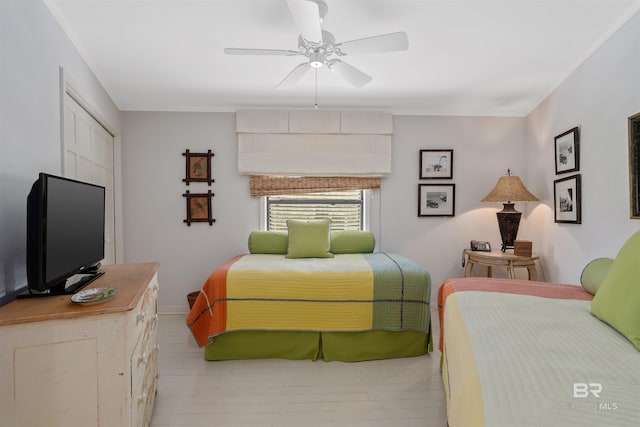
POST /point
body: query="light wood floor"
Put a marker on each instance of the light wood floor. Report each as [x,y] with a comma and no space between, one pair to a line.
[283,393]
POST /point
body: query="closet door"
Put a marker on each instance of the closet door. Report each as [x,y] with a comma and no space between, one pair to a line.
[88,156]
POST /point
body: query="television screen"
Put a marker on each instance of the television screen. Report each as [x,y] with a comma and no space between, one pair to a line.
[65,230]
[75,227]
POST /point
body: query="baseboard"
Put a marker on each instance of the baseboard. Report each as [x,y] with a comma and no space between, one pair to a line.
[173,309]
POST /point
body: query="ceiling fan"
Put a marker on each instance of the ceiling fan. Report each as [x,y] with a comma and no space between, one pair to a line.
[320,48]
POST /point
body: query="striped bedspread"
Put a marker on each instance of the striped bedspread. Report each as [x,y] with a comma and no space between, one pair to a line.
[519,287]
[350,292]
[520,353]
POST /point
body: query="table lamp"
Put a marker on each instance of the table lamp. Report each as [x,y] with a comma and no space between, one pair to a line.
[507,190]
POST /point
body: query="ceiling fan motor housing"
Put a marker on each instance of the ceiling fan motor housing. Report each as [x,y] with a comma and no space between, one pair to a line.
[316,59]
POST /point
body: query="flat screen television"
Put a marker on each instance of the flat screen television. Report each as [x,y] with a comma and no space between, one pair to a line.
[65,235]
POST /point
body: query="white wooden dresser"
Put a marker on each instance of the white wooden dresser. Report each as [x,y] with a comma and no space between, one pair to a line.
[65,364]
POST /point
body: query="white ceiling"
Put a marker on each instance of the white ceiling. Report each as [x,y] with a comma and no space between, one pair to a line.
[465,57]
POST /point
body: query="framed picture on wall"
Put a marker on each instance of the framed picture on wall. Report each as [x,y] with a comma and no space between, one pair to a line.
[198,167]
[436,164]
[567,196]
[568,151]
[199,207]
[436,199]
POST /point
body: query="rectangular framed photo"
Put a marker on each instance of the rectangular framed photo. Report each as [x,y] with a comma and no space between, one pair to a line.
[568,151]
[198,167]
[634,165]
[199,207]
[436,164]
[436,199]
[567,196]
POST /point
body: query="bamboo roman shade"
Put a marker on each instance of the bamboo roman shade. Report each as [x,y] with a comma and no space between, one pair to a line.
[276,185]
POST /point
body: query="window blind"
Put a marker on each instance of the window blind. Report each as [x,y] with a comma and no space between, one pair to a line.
[343,208]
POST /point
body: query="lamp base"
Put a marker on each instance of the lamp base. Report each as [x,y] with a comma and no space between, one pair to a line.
[508,222]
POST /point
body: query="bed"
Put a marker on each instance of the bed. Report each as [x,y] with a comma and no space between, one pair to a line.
[526,353]
[347,307]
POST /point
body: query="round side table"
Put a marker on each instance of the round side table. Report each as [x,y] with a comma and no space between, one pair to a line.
[500,259]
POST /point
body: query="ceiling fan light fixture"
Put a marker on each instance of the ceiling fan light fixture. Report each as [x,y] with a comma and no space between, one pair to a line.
[316,60]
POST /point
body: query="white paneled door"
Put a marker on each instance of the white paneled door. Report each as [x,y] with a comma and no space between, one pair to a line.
[88,156]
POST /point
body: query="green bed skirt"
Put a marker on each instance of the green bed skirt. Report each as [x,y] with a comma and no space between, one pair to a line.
[330,346]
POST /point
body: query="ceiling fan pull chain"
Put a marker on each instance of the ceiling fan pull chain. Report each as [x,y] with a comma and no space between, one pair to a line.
[316,104]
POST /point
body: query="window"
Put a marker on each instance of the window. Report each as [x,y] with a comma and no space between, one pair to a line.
[344,208]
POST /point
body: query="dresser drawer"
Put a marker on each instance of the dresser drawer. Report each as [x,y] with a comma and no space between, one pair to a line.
[147,344]
[143,313]
[150,297]
[145,349]
[145,382]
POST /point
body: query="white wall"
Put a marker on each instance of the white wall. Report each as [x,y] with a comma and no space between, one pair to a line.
[32,50]
[484,148]
[598,98]
[154,207]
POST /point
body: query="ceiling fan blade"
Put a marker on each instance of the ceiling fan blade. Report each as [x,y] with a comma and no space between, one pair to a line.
[239,51]
[350,73]
[306,14]
[294,76]
[383,43]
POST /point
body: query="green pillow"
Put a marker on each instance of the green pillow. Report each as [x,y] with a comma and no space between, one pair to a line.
[594,274]
[352,242]
[618,299]
[268,242]
[309,239]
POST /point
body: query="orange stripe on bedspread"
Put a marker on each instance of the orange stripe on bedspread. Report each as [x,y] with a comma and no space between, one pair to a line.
[511,286]
[208,316]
